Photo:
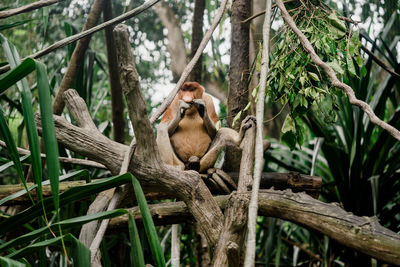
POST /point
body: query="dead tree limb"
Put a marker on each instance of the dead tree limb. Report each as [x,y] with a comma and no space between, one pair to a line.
[27,8]
[83,34]
[363,234]
[228,250]
[311,185]
[332,75]
[77,57]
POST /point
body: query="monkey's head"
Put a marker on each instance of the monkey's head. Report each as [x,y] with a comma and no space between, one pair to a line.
[189,92]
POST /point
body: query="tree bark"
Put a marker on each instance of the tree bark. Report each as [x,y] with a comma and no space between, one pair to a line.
[363,234]
[77,57]
[27,8]
[197,35]
[117,103]
[232,236]
[238,75]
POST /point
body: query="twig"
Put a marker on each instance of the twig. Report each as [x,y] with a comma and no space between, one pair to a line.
[27,8]
[262,12]
[80,35]
[175,245]
[332,75]
[259,157]
[303,248]
[380,62]
[83,162]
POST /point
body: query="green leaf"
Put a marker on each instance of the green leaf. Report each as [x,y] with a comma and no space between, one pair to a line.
[148,223]
[71,175]
[350,66]
[65,224]
[15,24]
[6,262]
[12,148]
[339,26]
[137,257]
[68,197]
[289,138]
[313,76]
[13,76]
[49,135]
[288,124]
[336,67]
[33,139]
[236,118]
[80,253]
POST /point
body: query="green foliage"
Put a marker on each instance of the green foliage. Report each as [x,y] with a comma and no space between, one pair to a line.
[296,81]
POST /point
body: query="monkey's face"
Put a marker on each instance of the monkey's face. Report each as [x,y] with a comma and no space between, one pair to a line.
[189,92]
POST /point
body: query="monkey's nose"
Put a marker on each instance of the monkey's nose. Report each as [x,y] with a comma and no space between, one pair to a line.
[188,99]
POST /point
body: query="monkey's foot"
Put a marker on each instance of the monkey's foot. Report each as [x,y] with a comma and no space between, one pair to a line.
[193,164]
[220,180]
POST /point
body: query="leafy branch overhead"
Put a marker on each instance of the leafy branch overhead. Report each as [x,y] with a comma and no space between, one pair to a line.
[297,81]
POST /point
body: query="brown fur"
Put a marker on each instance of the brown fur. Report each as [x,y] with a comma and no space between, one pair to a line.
[190,137]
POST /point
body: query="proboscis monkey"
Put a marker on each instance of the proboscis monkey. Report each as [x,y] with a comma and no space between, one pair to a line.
[187,137]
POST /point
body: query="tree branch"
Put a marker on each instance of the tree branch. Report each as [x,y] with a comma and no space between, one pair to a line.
[363,234]
[259,151]
[77,57]
[83,34]
[332,75]
[27,8]
[232,236]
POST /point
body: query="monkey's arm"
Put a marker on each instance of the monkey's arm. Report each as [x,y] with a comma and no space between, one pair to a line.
[180,113]
[206,109]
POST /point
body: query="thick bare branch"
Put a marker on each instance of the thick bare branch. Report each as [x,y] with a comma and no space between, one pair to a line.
[27,8]
[232,236]
[363,234]
[83,34]
[332,75]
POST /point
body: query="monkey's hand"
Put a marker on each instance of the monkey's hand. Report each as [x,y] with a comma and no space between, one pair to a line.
[200,105]
[182,107]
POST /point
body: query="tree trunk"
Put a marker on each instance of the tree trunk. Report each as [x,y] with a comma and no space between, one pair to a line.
[117,103]
[238,75]
[197,35]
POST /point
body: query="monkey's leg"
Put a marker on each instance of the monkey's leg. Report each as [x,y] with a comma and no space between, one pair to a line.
[164,146]
[225,137]
[201,106]
[180,113]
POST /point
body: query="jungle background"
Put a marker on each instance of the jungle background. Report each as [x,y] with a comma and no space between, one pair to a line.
[357,161]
